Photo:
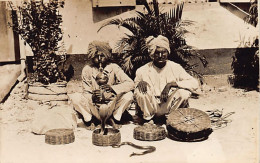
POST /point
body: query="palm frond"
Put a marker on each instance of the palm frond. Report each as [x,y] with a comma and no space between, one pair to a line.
[129,24]
[127,65]
[252,17]
[117,22]
[147,7]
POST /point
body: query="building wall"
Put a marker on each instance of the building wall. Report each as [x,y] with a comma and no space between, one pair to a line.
[8,41]
[215,32]
[81,22]
[213,26]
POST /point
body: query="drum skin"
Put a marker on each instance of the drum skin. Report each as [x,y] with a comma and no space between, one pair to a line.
[188,124]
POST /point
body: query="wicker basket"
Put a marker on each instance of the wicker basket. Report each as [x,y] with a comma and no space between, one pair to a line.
[47,92]
[113,137]
[188,124]
[59,136]
[149,132]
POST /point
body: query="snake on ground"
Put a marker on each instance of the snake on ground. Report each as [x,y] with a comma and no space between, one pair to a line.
[148,149]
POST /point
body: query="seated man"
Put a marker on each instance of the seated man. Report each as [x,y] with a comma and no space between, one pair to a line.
[162,85]
[107,100]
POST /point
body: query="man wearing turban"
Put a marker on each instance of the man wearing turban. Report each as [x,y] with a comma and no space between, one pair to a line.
[161,85]
[115,91]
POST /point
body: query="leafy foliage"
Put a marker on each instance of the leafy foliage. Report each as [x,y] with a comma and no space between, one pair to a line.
[245,63]
[245,67]
[252,18]
[39,24]
[132,51]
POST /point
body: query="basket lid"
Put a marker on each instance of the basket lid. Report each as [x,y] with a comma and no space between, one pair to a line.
[188,120]
[59,132]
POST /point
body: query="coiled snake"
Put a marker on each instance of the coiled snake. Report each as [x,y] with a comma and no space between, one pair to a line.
[149,149]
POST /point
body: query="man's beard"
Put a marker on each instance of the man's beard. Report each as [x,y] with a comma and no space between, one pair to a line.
[159,64]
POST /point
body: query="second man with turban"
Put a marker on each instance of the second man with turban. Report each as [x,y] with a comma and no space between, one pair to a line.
[162,86]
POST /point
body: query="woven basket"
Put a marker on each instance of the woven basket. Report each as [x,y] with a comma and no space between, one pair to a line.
[49,92]
[149,132]
[59,136]
[113,137]
[188,124]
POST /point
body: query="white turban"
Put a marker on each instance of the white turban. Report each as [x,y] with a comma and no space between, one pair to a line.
[153,42]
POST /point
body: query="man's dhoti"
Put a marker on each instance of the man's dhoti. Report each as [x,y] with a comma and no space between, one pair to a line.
[151,105]
[87,108]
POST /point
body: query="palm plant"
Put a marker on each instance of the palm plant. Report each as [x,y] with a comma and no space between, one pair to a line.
[252,18]
[132,51]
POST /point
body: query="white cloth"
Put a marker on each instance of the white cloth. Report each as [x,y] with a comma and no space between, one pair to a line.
[151,106]
[59,117]
[119,82]
[153,42]
[87,108]
[157,79]
[117,79]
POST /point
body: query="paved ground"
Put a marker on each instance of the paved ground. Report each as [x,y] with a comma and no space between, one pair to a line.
[236,143]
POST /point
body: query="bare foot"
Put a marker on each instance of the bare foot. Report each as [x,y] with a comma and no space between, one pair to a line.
[98,126]
[91,127]
[151,122]
[114,125]
[117,126]
[101,131]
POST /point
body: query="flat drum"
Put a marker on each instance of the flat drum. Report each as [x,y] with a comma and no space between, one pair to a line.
[188,124]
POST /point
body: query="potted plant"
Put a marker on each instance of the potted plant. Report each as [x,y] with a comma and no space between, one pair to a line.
[39,25]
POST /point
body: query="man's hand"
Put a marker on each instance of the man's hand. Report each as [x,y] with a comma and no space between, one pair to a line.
[165,92]
[142,87]
[109,96]
[107,88]
[97,96]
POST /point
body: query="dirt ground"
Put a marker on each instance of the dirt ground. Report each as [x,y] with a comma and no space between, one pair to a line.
[235,143]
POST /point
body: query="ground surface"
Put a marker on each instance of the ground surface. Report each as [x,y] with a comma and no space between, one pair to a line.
[235,143]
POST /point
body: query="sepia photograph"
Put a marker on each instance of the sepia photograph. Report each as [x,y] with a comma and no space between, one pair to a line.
[134,81]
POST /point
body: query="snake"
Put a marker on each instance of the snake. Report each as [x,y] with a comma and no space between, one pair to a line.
[218,119]
[148,149]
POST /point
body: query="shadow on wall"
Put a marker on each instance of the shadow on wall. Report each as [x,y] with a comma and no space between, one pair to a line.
[102,13]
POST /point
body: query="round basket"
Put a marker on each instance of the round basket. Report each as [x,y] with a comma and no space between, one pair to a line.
[113,137]
[59,136]
[188,124]
[149,132]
